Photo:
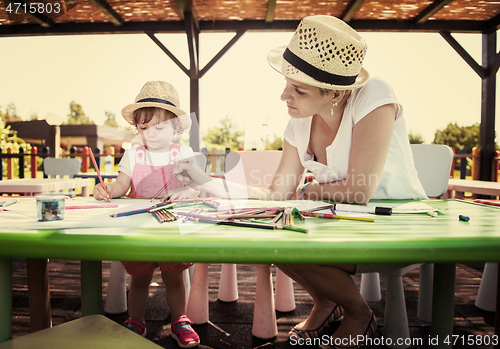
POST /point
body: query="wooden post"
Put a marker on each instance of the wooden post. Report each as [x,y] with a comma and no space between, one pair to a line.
[55,141]
[10,164]
[85,159]
[21,163]
[34,166]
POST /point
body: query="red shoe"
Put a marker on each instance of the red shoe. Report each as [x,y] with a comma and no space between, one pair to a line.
[183,333]
[136,326]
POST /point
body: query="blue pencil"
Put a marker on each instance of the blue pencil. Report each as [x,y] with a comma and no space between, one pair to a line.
[142,210]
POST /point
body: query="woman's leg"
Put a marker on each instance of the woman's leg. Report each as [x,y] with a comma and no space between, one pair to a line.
[336,284]
[176,292]
[138,296]
[322,307]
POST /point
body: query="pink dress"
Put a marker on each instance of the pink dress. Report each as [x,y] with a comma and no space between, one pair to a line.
[147,182]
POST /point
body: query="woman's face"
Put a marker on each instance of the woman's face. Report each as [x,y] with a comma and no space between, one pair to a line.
[157,135]
[305,100]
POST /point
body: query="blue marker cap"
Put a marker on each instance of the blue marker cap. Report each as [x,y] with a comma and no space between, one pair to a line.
[463,218]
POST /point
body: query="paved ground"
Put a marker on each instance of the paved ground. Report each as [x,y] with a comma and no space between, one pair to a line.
[231,323]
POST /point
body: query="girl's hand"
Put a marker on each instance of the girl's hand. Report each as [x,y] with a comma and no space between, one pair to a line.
[180,193]
[100,193]
[189,173]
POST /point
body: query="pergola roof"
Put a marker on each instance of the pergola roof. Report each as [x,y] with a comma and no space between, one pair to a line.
[117,16]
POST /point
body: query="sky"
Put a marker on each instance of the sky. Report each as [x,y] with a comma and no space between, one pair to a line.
[42,75]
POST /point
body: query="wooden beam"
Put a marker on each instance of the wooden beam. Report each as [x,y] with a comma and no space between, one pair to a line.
[271,6]
[167,51]
[108,11]
[234,26]
[186,6]
[40,18]
[430,11]
[350,10]
[219,55]
[481,71]
[488,95]
[193,39]
[493,24]
[494,68]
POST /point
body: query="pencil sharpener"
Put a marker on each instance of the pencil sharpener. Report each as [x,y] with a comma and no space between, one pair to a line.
[50,207]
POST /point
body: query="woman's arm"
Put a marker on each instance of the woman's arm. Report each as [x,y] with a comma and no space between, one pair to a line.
[371,138]
[284,183]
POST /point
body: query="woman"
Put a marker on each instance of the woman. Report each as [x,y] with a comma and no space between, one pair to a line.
[350,132]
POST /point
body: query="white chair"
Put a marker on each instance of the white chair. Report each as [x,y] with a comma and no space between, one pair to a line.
[433,163]
[258,169]
[62,167]
[116,295]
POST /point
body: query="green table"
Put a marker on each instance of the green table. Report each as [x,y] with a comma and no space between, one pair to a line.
[400,238]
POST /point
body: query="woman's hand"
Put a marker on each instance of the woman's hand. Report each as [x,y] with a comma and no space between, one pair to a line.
[189,173]
[180,193]
[100,193]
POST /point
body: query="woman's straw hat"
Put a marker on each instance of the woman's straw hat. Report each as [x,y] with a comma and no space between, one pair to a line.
[158,94]
[324,52]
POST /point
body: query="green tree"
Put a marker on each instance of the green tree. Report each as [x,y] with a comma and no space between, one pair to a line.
[458,137]
[10,114]
[77,116]
[110,119]
[9,139]
[227,135]
[415,138]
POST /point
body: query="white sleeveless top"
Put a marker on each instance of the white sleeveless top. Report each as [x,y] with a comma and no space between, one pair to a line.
[399,178]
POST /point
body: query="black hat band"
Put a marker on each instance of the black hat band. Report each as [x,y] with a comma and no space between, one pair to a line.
[157,100]
[316,73]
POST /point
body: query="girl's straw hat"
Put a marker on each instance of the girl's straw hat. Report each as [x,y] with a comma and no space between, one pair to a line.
[324,52]
[158,94]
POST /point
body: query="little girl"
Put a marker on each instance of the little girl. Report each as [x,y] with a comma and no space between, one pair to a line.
[145,170]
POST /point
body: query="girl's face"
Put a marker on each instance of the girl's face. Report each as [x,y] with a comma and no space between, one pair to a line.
[305,100]
[157,135]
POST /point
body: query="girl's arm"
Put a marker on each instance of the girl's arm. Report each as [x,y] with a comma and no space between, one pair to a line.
[115,189]
[284,183]
[371,138]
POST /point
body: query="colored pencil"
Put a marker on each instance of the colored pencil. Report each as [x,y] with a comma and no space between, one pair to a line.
[288,227]
[238,224]
[331,216]
[165,186]
[277,217]
[142,210]
[98,172]
[90,206]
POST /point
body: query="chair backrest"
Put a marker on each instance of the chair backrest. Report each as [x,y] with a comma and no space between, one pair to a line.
[433,163]
[53,167]
[259,166]
[201,160]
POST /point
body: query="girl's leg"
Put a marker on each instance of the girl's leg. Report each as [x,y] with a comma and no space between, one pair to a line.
[176,292]
[138,296]
[336,284]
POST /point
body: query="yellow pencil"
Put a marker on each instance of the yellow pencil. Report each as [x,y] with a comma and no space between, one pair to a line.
[331,216]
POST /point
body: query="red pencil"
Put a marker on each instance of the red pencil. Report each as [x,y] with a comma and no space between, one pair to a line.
[98,172]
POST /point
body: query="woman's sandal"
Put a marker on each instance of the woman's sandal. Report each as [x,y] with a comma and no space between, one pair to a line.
[296,334]
[370,330]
